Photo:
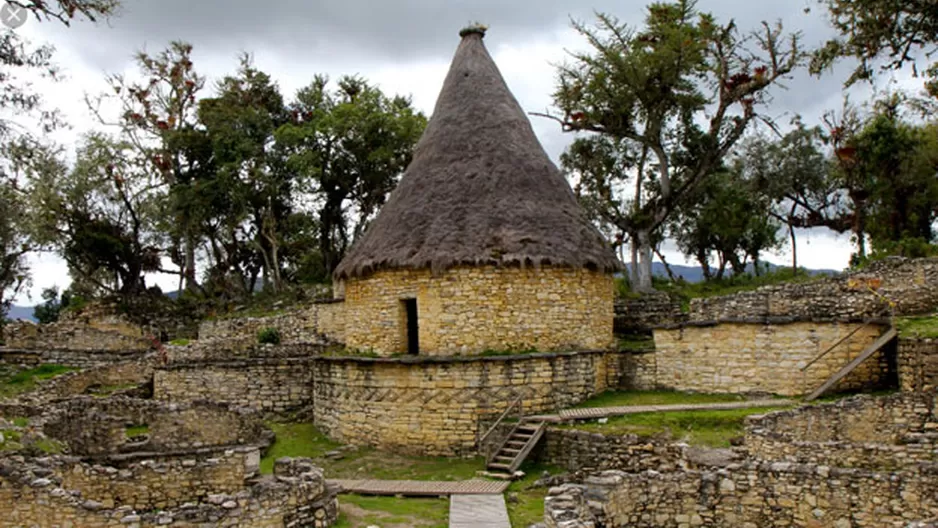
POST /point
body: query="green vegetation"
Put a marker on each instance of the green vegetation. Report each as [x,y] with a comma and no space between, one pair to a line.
[179,342]
[630,398]
[269,336]
[25,380]
[20,422]
[636,342]
[923,326]
[526,502]
[707,428]
[732,284]
[359,511]
[137,431]
[304,440]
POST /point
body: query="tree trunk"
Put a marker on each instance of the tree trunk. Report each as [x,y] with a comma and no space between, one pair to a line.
[633,270]
[191,283]
[643,284]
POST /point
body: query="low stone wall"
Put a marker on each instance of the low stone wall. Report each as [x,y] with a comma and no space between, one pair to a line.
[96,427]
[186,493]
[323,318]
[895,286]
[92,335]
[214,351]
[639,315]
[69,358]
[575,450]
[440,406]
[639,370]
[766,358]
[882,433]
[770,494]
[262,384]
[918,364]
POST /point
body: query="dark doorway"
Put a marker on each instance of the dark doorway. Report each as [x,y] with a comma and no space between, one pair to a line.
[413,329]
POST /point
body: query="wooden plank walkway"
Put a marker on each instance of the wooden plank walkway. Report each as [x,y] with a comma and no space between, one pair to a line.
[605,412]
[421,488]
[478,511]
[873,348]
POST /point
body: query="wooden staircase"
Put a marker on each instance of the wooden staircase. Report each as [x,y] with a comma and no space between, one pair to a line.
[519,444]
[874,347]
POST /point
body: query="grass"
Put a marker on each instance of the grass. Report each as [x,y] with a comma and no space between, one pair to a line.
[25,380]
[304,440]
[705,428]
[179,342]
[923,327]
[636,342]
[526,502]
[358,511]
[137,430]
[631,398]
[732,284]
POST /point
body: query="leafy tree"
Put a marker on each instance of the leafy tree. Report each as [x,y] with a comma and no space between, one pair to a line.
[50,310]
[251,193]
[348,146]
[14,244]
[869,30]
[726,217]
[673,99]
[98,215]
[157,121]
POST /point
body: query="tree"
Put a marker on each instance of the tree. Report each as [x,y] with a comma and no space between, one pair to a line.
[675,97]
[870,30]
[98,215]
[348,146]
[252,195]
[727,218]
[14,245]
[157,119]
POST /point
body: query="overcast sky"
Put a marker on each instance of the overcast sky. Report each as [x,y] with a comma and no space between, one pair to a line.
[404,46]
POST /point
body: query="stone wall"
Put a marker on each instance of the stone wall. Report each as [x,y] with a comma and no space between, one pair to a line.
[69,358]
[767,358]
[575,450]
[639,315]
[440,406]
[91,335]
[263,384]
[470,310]
[896,286]
[307,324]
[918,364]
[639,370]
[182,493]
[771,494]
[879,433]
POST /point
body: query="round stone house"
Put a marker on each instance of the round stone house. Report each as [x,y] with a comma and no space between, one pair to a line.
[482,246]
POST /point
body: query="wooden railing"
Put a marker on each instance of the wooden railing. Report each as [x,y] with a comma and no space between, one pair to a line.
[866,323]
[516,403]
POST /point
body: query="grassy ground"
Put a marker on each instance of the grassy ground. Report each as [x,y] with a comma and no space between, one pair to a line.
[629,398]
[525,502]
[924,327]
[297,440]
[357,511]
[18,382]
[706,428]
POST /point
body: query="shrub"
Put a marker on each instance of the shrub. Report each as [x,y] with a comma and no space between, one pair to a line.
[269,336]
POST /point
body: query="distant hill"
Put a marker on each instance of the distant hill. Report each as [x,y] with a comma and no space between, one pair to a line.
[695,273]
[21,312]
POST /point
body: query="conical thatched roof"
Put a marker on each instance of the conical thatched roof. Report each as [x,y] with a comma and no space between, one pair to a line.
[480,189]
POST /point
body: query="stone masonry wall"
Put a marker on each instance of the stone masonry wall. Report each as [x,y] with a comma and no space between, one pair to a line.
[262,384]
[78,335]
[441,406]
[918,364]
[895,286]
[576,450]
[742,357]
[69,358]
[469,310]
[772,494]
[144,494]
[324,318]
[643,313]
[860,432]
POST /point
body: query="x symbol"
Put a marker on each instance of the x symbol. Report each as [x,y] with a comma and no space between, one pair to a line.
[12,16]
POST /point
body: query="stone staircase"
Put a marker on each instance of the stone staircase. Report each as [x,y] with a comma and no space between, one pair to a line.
[516,448]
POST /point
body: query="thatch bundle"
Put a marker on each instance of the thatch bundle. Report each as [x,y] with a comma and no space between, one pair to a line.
[480,190]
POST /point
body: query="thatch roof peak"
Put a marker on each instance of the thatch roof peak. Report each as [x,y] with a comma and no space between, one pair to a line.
[480,189]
